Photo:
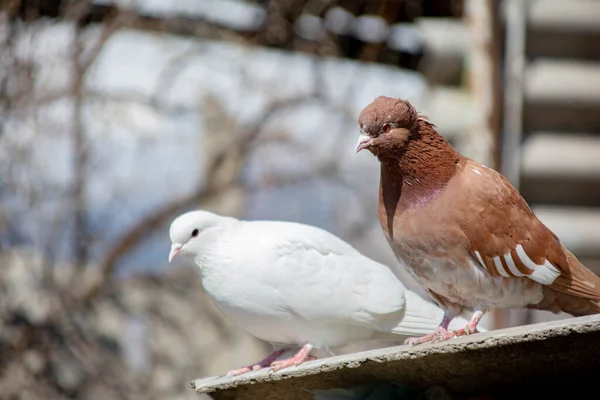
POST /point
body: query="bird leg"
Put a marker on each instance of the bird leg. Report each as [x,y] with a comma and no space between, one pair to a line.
[440,332]
[302,355]
[471,326]
[265,362]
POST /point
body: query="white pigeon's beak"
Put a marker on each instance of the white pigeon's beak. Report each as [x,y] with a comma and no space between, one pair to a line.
[364,141]
[175,249]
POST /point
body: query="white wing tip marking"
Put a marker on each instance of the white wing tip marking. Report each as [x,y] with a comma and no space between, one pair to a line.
[545,273]
[510,263]
[500,267]
[479,258]
[589,284]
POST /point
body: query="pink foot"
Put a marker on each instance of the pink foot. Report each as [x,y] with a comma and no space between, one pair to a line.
[470,329]
[297,359]
[432,337]
[265,362]
[467,330]
[443,336]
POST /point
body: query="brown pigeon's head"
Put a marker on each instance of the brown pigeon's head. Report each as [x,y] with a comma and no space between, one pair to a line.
[386,125]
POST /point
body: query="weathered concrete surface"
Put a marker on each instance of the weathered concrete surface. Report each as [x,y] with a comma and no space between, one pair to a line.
[568,350]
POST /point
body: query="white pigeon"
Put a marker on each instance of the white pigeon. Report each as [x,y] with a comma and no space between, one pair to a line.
[298,285]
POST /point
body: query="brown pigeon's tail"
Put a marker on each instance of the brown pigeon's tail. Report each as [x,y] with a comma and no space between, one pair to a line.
[576,291]
[556,301]
[576,279]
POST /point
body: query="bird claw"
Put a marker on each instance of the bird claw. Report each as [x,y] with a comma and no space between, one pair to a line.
[443,336]
[466,331]
[414,341]
[439,335]
[255,367]
[289,362]
[265,362]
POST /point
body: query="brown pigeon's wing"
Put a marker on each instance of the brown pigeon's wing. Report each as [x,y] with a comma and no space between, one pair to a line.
[509,240]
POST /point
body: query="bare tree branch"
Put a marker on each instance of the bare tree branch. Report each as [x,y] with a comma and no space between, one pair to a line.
[82,60]
[216,184]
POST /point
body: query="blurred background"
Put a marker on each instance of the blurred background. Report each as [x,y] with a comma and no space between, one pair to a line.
[118,115]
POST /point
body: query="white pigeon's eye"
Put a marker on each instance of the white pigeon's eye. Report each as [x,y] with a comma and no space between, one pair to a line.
[386,128]
[195,232]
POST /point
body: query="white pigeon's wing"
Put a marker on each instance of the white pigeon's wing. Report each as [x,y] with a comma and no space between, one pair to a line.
[420,316]
[322,278]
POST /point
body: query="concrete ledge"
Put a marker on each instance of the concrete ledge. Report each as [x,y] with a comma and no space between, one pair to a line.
[568,350]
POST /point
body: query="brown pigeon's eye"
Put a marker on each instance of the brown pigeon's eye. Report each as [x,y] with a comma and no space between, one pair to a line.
[195,232]
[386,128]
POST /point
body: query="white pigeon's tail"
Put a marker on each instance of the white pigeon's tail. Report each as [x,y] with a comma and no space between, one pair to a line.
[421,317]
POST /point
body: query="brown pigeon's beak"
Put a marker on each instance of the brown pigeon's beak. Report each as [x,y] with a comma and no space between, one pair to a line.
[175,249]
[364,141]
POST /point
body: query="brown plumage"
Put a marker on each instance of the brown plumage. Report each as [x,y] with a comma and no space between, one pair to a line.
[462,230]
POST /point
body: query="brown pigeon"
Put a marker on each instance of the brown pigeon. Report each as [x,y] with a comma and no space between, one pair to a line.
[462,230]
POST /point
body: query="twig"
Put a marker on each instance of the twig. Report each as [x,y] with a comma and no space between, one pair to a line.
[216,184]
[81,66]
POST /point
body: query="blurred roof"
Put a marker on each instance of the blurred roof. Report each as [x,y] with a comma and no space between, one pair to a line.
[370,30]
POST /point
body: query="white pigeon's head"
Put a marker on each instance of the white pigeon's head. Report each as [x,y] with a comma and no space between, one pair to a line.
[186,230]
